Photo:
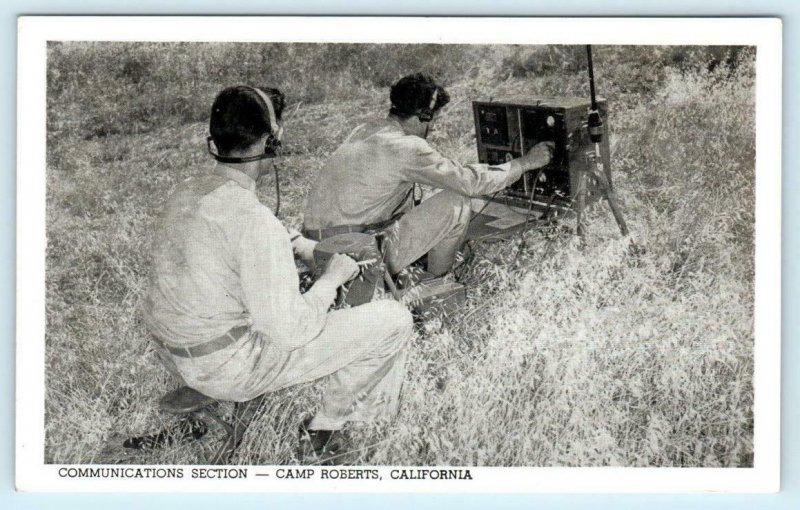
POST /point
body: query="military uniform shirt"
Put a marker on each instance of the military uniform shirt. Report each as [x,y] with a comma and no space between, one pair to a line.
[222,260]
[368,178]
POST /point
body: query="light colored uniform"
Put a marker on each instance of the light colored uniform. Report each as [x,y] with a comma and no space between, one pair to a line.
[223,260]
[369,179]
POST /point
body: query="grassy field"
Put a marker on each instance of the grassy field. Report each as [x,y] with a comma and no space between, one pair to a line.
[567,354]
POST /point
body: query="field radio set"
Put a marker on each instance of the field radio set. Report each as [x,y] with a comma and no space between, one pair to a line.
[508,129]
[579,172]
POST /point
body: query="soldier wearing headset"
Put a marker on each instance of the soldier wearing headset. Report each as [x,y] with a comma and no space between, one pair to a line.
[367,185]
[223,302]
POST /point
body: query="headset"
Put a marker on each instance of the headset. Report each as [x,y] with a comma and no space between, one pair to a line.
[426,114]
[272,146]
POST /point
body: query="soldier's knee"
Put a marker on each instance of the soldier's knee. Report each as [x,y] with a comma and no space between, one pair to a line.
[459,205]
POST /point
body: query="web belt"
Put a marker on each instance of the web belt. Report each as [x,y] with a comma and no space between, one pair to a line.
[205,348]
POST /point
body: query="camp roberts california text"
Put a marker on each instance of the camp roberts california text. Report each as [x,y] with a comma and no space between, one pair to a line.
[430,474]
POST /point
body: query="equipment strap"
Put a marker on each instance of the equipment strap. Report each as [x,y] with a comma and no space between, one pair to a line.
[320,234]
[204,349]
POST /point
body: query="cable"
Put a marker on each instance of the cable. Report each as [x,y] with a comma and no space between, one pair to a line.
[513,142]
[530,198]
[527,216]
[277,189]
[489,201]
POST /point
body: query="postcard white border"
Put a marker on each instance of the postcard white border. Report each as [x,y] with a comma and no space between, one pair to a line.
[764,33]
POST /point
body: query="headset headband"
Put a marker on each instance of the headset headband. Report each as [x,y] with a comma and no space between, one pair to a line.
[273,121]
[434,97]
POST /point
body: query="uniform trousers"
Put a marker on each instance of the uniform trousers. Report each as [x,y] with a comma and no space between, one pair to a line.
[360,350]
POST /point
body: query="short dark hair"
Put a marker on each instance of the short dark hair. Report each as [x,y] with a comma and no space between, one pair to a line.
[412,94]
[239,117]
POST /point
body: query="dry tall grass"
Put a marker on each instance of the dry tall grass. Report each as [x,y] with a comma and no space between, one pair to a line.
[566,354]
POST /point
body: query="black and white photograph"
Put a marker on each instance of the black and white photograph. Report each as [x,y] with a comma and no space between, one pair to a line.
[302,260]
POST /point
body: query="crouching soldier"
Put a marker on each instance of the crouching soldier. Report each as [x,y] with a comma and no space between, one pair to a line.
[367,185]
[224,303]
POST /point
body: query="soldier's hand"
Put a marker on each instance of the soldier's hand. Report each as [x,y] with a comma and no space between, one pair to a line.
[539,155]
[342,268]
[304,248]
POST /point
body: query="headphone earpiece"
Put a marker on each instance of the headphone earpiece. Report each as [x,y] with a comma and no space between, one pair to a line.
[426,115]
[272,146]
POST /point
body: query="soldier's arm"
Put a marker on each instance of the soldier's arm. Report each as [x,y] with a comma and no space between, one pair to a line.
[271,285]
[303,247]
[426,165]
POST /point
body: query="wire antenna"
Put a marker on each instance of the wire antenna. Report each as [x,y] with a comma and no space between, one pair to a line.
[591,76]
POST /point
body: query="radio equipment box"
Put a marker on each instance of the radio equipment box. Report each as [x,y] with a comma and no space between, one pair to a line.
[361,247]
[508,128]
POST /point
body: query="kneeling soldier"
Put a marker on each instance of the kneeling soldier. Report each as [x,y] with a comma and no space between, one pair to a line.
[367,185]
[224,303]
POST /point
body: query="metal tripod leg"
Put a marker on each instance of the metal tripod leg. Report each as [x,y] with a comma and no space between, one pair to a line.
[610,193]
[611,196]
[580,203]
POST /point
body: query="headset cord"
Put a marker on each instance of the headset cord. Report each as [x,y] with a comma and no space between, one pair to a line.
[277,190]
